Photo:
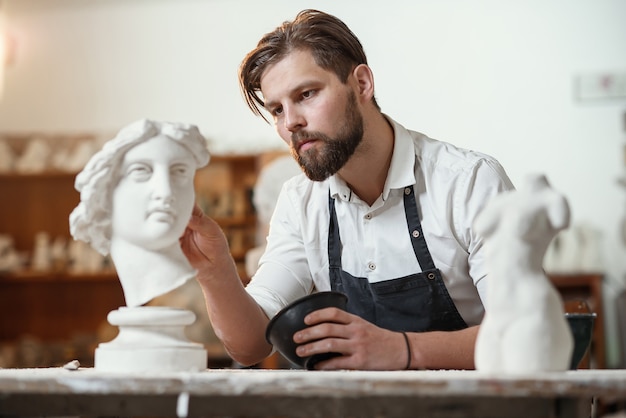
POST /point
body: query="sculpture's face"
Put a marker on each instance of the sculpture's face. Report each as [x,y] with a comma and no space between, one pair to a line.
[154,197]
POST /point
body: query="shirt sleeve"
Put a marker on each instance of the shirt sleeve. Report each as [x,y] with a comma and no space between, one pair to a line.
[487,179]
[283,274]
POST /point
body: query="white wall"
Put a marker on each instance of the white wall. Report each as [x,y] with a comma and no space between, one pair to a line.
[485,74]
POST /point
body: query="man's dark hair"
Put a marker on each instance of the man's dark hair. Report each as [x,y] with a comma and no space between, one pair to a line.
[332,44]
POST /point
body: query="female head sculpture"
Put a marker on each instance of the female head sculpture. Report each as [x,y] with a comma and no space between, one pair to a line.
[136,197]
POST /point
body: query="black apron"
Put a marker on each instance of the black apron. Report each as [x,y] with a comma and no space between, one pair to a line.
[418,302]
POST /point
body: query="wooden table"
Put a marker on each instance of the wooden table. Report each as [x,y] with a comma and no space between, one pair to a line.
[300,393]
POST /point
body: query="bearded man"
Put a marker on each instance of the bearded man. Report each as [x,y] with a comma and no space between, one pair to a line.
[381,213]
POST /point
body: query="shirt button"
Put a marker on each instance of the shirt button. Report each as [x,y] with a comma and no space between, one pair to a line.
[371,266]
[368,216]
[407,190]
[416,233]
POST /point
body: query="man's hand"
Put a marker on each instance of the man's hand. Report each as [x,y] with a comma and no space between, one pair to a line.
[362,345]
[236,318]
[204,243]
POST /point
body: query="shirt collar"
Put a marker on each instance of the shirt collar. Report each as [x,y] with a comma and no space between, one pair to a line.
[401,171]
[339,188]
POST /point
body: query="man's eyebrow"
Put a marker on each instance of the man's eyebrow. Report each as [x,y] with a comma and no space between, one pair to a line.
[304,85]
[269,105]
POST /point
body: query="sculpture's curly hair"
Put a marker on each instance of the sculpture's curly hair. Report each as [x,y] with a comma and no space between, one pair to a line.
[90,221]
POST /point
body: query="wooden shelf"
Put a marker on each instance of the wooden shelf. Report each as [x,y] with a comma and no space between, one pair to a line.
[36,176]
[36,203]
[57,276]
[56,308]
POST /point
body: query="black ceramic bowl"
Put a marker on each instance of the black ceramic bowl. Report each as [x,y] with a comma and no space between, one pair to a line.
[290,319]
[581,325]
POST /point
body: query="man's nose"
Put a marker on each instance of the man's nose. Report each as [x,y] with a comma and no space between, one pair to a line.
[294,120]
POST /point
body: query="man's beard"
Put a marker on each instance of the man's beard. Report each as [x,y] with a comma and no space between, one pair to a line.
[322,161]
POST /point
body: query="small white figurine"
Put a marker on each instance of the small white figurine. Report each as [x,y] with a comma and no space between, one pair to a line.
[524,329]
[137,195]
[35,157]
[58,253]
[75,255]
[576,249]
[79,157]
[9,258]
[83,259]
[42,257]
[7,157]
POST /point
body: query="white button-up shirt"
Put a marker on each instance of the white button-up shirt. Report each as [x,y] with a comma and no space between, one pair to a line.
[452,186]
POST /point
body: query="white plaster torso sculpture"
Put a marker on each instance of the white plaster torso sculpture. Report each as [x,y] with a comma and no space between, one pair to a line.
[137,195]
[524,329]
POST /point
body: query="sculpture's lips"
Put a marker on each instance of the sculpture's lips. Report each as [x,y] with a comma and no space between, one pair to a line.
[161,212]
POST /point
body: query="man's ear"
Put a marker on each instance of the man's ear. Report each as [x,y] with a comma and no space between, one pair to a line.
[365,81]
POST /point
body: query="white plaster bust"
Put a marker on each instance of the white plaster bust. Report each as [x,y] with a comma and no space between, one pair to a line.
[137,195]
[524,329]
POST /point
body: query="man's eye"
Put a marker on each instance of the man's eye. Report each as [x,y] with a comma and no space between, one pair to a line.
[308,94]
[277,111]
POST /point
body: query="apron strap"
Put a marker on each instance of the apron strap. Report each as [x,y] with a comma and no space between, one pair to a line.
[334,240]
[415,230]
